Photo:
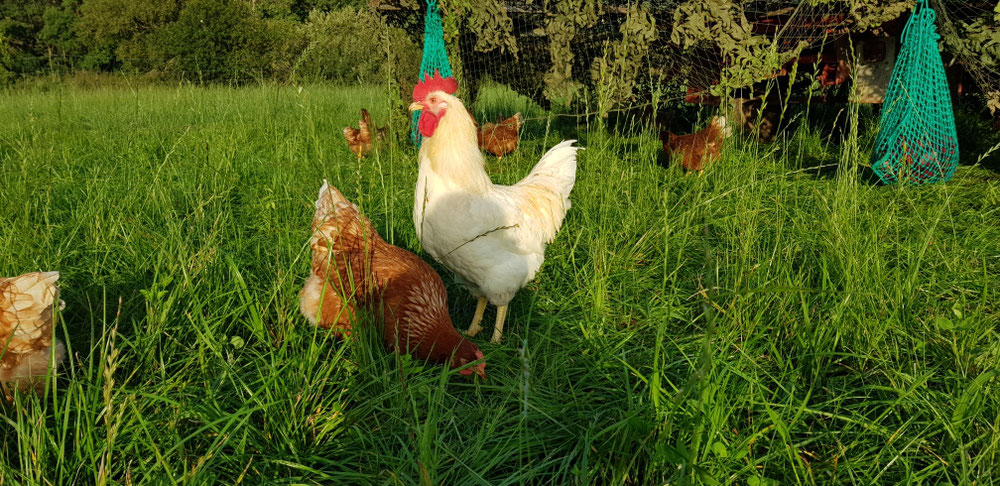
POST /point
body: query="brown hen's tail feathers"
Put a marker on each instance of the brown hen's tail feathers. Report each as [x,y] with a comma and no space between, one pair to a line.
[365,123]
[363,134]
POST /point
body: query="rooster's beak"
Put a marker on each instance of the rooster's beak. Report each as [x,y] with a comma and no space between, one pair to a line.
[416,106]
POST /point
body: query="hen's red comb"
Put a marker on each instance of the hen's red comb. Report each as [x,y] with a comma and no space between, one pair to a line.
[437,83]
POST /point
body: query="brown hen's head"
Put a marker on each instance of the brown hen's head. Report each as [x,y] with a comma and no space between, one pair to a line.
[468,353]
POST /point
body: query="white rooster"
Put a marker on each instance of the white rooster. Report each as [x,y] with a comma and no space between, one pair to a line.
[492,237]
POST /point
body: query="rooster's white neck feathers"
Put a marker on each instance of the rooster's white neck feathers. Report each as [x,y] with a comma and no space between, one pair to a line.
[453,151]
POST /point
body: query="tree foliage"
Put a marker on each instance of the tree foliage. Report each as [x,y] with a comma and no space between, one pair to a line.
[723,25]
[21,21]
[618,69]
[216,39]
[117,33]
[204,40]
[570,15]
[354,45]
[977,42]
[346,40]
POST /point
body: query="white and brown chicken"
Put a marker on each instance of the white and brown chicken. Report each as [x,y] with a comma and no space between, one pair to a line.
[27,316]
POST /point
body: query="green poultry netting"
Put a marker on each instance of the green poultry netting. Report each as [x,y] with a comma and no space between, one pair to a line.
[435,57]
[917,142]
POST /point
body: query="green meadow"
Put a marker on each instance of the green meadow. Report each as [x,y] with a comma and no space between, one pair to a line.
[775,320]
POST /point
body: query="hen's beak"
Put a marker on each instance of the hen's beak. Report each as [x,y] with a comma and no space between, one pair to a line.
[416,106]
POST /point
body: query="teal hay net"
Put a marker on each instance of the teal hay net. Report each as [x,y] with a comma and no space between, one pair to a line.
[917,142]
[435,57]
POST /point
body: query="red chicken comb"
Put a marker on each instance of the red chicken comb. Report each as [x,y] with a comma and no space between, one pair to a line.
[437,83]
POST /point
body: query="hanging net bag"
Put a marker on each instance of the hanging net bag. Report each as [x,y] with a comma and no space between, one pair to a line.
[917,142]
[435,58]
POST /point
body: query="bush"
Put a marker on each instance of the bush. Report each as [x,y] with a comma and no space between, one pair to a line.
[121,33]
[7,74]
[350,45]
[214,40]
[286,44]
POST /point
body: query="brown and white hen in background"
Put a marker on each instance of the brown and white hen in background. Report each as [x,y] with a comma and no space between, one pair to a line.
[699,148]
[500,138]
[359,140]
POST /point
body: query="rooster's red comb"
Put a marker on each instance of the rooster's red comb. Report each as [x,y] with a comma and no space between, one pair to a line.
[437,83]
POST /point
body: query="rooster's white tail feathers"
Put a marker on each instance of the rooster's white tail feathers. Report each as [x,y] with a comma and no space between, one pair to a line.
[546,189]
[556,170]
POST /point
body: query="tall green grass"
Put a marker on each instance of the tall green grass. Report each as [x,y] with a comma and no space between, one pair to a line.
[763,323]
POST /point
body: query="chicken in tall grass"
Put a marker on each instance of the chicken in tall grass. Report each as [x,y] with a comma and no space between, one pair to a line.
[491,237]
[354,268]
[27,316]
[359,140]
[500,138]
[700,148]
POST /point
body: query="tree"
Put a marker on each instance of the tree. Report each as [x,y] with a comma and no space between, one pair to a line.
[20,52]
[57,34]
[216,40]
[118,33]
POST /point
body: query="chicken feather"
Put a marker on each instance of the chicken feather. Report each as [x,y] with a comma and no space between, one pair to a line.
[359,140]
[27,317]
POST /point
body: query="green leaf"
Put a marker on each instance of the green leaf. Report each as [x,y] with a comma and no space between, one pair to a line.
[944,324]
[707,478]
[720,449]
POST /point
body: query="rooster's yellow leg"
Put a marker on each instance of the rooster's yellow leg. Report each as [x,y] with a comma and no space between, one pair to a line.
[498,328]
[474,328]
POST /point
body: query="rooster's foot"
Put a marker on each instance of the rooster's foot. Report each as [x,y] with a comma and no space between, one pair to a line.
[475,327]
[498,328]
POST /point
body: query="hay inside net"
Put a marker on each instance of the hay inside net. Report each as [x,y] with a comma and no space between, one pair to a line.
[917,142]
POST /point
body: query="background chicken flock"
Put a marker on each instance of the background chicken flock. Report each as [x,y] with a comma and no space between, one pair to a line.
[492,238]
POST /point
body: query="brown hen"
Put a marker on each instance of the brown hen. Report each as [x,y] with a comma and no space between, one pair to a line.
[699,148]
[353,268]
[26,318]
[500,138]
[359,140]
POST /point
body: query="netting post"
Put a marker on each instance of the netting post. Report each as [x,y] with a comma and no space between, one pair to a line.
[434,58]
